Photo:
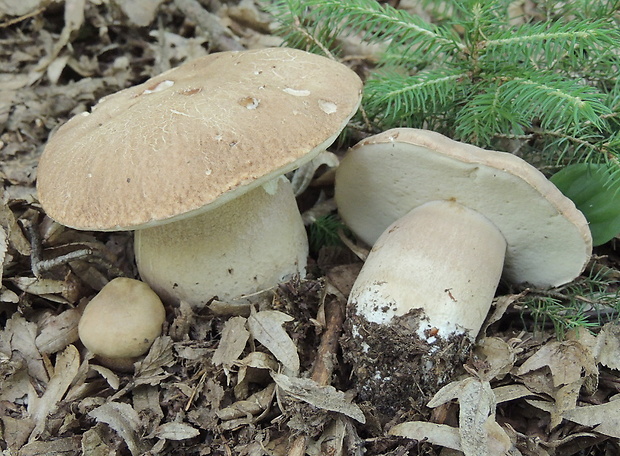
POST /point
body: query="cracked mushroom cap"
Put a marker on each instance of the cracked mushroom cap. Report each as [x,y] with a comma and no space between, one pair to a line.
[384,177]
[194,137]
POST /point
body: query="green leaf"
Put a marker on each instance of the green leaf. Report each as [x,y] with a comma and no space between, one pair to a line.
[595,190]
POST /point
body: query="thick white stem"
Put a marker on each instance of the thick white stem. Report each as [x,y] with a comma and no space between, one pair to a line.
[441,258]
[245,246]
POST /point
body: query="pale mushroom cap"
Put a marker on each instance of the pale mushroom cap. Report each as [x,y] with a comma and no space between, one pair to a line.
[384,177]
[122,320]
[194,137]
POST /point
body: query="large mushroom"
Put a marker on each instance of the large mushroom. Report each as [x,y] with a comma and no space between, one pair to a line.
[193,160]
[446,221]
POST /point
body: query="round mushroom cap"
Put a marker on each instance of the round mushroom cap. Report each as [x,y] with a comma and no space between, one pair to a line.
[384,177]
[122,320]
[194,137]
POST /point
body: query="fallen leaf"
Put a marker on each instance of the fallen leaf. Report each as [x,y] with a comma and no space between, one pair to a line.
[57,447]
[123,419]
[54,290]
[570,364]
[266,327]
[108,374]
[14,234]
[4,243]
[500,304]
[437,434]
[140,12]
[232,342]
[19,7]
[498,354]
[321,397]
[176,431]
[603,418]
[253,405]
[150,371]
[303,175]
[146,401]
[567,361]
[480,435]
[58,331]
[18,342]
[93,444]
[511,392]
[65,371]
[607,349]
[254,368]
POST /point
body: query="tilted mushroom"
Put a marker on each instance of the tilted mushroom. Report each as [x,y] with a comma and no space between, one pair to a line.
[193,160]
[446,221]
[121,322]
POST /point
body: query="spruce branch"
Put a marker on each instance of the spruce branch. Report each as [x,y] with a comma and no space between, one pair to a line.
[550,45]
[391,97]
[478,76]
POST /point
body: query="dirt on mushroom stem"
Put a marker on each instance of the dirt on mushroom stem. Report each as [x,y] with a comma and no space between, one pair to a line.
[395,371]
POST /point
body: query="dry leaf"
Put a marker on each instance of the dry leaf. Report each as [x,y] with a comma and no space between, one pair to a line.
[18,341]
[58,331]
[437,434]
[511,392]
[140,12]
[93,444]
[4,243]
[14,234]
[305,173]
[65,371]
[61,446]
[254,368]
[19,7]
[266,327]
[73,20]
[500,304]
[480,434]
[123,419]
[570,364]
[150,371]
[146,400]
[567,360]
[603,418]
[498,354]
[176,431]
[108,374]
[607,350]
[232,342]
[253,405]
[61,291]
[322,397]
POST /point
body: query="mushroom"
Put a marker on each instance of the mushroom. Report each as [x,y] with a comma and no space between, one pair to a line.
[121,322]
[194,159]
[446,221]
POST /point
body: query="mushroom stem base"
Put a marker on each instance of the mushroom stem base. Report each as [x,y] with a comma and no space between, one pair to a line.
[419,302]
[396,371]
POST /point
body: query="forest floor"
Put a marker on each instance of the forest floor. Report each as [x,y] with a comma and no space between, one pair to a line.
[522,390]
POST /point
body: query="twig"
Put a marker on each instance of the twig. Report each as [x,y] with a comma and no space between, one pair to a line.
[324,362]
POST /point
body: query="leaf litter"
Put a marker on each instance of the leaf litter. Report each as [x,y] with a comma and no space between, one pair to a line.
[231,379]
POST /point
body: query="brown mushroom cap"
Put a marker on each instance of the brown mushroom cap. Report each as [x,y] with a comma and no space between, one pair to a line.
[194,137]
[384,177]
[122,320]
